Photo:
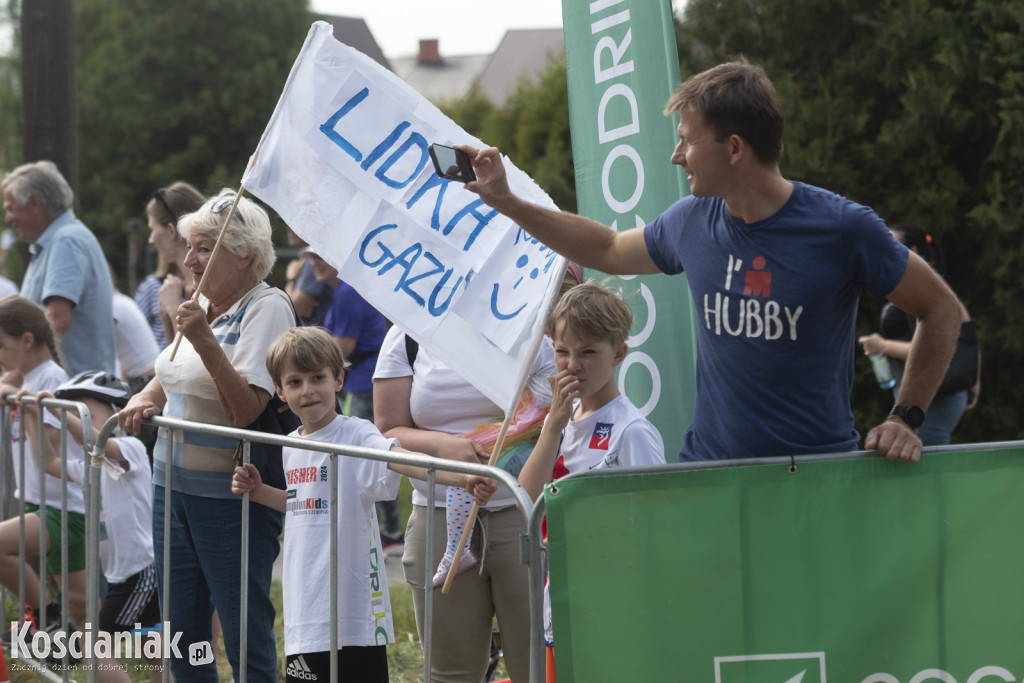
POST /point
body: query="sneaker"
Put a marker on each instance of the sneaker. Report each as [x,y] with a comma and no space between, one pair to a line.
[469,561]
[31,617]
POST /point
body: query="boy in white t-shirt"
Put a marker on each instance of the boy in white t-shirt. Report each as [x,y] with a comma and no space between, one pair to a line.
[590,424]
[307,367]
[126,513]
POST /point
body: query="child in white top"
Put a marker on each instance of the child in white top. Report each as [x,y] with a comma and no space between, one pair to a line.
[126,512]
[307,367]
[28,355]
[590,424]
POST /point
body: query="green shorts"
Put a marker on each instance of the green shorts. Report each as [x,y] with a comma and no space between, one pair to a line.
[76,538]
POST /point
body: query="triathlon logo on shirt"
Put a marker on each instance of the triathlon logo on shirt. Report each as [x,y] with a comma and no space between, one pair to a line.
[601,437]
[758,282]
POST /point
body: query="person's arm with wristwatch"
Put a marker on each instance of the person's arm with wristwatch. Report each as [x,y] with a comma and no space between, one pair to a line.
[924,295]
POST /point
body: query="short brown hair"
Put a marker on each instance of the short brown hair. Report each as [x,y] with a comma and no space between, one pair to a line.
[594,312]
[735,98]
[306,349]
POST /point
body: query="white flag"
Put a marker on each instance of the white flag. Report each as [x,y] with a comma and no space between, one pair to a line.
[344,162]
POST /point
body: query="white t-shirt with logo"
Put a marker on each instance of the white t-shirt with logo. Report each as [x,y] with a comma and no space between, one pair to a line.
[364,604]
[616,435]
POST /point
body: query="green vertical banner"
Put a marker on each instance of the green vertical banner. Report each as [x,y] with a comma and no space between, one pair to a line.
[622,66]
[854,571]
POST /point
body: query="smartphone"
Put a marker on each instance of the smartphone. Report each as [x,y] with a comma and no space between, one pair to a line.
[452,163]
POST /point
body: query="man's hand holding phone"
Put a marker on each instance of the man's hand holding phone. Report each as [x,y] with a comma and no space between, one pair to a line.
[491,182]
[452,163]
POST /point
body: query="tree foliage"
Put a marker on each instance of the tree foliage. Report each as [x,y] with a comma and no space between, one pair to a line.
[10,86]
[174,91]
[916,109]
[532,129]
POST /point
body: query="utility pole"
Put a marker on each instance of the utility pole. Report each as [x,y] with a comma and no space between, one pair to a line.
[49,103]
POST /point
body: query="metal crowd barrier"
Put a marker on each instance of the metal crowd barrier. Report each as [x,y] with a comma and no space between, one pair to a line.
[533,550]
[6,476]
[431,464]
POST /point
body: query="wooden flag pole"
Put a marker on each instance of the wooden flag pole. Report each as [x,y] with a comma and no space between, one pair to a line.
[216,249]
[454,569]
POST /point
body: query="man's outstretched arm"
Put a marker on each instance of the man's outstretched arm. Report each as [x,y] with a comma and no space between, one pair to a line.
[580,239]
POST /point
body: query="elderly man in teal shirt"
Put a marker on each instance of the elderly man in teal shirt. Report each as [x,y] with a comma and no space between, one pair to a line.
[67,274]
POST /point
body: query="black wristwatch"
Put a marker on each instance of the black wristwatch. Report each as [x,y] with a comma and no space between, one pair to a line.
[912,415]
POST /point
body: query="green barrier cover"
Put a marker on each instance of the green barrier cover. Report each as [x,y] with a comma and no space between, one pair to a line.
[859,570]
[621,67]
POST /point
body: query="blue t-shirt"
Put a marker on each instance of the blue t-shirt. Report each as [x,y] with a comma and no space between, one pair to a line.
[776,305]
[322,291]
[351,316]
[67,261]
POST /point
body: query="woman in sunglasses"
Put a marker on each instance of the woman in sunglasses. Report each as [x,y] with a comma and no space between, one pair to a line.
[172,282]
[218,376]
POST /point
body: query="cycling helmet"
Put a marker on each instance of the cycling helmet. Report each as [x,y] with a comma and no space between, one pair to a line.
[95,384]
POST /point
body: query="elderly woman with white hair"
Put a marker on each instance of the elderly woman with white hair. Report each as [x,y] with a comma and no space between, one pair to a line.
[218,376]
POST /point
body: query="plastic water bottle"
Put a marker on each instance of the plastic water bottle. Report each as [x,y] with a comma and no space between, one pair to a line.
[883,373]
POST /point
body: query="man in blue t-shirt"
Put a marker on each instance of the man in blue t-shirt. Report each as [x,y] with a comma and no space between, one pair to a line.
[67,274]
[775,270]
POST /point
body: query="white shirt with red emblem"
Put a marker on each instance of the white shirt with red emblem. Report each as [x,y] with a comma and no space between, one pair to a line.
[616,435]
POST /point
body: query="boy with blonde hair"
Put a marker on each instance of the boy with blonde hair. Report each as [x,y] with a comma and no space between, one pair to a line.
[308,369]
[591,425]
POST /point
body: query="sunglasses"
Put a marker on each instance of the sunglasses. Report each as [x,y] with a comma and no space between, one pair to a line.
[159,196]
[223,204]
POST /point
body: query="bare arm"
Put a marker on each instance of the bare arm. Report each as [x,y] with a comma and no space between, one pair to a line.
[975,391]
[924,295]
[247,480]
[169,297]
[58,313]
[111,450]
[145,404]
[481,488]
[393,418]
[541,464]
[51,436]
[580,239]
[895,348]
[875,344]
[241,402]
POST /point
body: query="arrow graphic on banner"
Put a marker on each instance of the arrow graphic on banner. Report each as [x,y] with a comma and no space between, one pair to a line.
[799,677]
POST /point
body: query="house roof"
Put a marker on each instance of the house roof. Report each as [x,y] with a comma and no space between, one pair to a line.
[354,32]
[523,53]
[440,81]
